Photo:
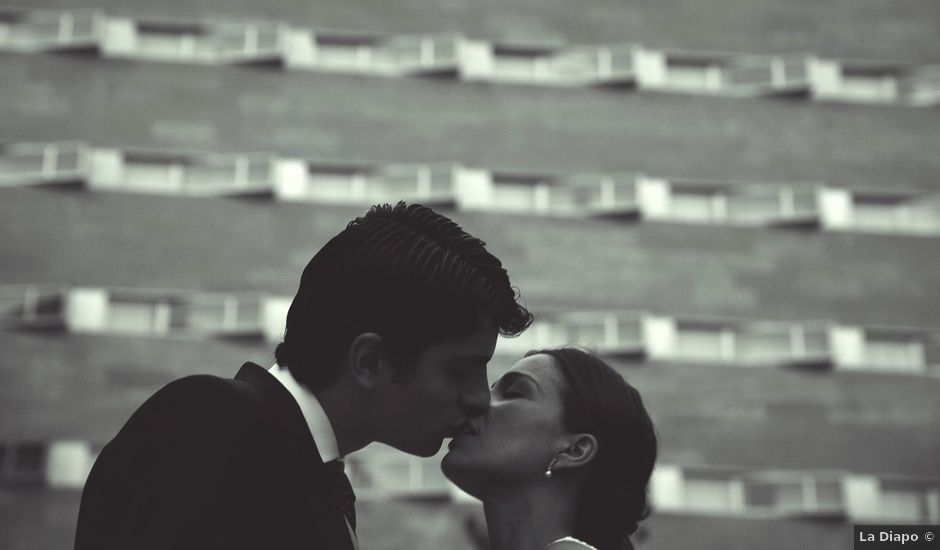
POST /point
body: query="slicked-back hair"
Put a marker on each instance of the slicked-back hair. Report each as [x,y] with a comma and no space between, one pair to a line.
[406,273]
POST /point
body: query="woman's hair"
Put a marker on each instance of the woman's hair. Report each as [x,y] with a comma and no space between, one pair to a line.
[404,272]
[598,401]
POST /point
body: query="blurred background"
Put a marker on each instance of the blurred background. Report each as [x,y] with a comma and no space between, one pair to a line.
[736,202]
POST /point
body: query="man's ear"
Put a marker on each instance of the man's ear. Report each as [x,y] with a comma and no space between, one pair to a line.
[580,451]
[366,358]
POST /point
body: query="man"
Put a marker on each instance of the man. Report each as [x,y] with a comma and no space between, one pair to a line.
[387,340]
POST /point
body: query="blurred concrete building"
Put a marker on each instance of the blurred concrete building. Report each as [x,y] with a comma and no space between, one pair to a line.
[736,202]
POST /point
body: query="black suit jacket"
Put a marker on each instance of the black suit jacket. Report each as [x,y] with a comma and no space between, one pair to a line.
[209,463]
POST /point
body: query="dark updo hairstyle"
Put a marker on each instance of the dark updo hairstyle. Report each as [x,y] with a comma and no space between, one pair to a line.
[406,273]
[598,401]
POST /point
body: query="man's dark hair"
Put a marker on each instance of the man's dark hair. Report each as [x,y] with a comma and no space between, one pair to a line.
[406,273]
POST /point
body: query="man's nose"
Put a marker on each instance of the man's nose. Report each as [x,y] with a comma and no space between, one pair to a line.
[475,403]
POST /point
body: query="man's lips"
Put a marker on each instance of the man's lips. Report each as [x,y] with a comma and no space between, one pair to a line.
[464,429]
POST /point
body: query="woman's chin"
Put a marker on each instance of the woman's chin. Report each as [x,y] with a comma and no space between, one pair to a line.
[458,468]
[451,463]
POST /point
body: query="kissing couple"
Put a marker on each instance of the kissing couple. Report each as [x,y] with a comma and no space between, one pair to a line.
[387,340]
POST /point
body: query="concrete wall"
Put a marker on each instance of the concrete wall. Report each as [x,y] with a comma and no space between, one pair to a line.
[333,116]
[879,29]
[59,386]
[85,387]
[237,244]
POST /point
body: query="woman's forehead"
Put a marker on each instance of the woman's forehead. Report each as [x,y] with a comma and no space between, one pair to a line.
[542,367]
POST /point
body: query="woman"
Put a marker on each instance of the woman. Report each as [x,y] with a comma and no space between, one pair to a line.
[562,458]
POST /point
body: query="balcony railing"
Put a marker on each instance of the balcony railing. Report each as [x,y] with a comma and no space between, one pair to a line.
[921,86]
[224,315]
[610,333]
[250,43]
[432,184]
[603,195]
[32,307]
[428,183]
[894,212]
[422,54]
[229,175]
[196,175]
[50,29]
[52,163]
[608,65]
[766,75]
[618,195]
[774,205]
[630,335]
[626,65]
[742,203]
[806,344]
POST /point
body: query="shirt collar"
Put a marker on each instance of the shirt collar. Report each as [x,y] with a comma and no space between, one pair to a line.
[317,421]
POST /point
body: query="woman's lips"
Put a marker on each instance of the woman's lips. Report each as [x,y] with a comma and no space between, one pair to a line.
[459,437]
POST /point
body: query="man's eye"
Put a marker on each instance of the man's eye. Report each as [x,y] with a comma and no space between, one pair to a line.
[464,371]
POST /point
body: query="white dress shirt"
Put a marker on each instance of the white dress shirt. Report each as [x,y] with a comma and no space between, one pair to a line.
[319,424]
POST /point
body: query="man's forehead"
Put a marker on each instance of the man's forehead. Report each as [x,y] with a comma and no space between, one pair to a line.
[474,346]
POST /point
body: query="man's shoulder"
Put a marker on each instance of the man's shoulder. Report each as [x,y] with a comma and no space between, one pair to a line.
[202,401]
[201,391]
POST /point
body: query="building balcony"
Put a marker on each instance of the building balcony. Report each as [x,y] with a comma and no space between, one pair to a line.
[733,203]
[195,42]
[611,195]
[820,495]
[51,30]
[645,337]
[637,336]
[57,164]
[860,81]
[784,76]
[883,211]
[920,86]
[433,184]
[435,55]
[143,312]
[623,196]
[189,174]
[609,65]
[540,62]
[32,307]
[613,334]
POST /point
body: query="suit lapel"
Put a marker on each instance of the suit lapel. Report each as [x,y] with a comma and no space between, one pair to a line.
[285,410]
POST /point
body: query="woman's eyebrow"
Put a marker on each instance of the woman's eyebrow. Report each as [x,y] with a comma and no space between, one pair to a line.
[517,374]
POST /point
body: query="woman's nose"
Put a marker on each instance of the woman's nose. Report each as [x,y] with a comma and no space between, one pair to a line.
[475,403]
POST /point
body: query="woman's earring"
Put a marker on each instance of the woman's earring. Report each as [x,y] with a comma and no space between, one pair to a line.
[548,472]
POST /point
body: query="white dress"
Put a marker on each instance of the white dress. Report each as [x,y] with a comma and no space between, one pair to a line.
[569,543]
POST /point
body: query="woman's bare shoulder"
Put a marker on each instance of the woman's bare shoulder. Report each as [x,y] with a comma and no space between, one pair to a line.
[569,543]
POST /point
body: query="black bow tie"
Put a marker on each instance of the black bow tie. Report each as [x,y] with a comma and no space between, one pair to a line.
[344,490]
